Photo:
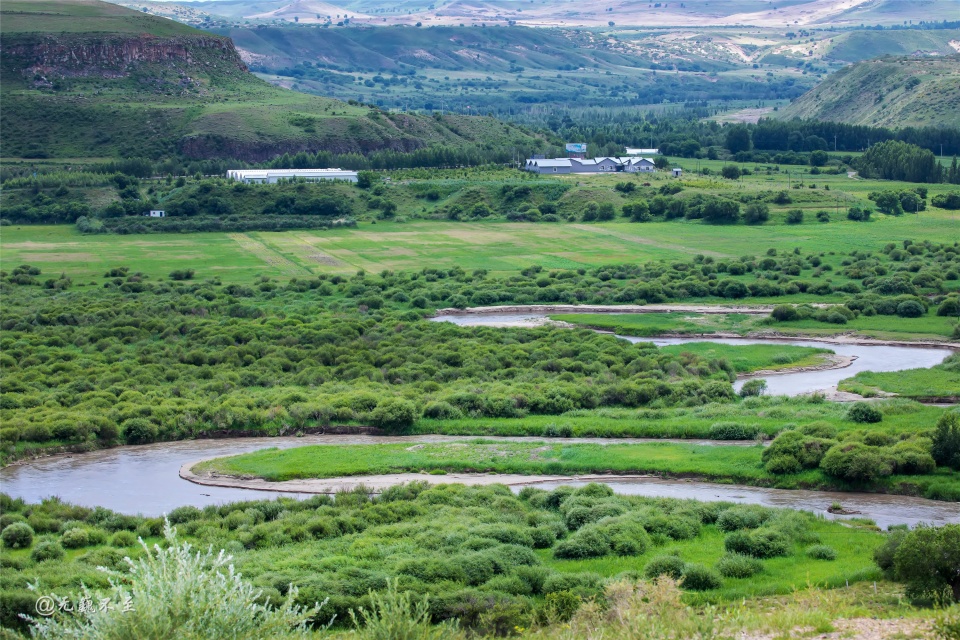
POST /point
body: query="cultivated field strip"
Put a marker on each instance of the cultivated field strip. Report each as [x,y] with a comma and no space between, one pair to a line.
[268,255]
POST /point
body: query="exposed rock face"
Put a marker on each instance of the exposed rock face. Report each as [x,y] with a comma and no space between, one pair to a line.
[112,56]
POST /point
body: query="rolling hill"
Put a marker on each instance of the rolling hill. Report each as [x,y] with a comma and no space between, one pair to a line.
[83,78]
[887,92]
[583,13]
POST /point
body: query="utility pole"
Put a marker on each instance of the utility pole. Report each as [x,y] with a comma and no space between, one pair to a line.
[834,143]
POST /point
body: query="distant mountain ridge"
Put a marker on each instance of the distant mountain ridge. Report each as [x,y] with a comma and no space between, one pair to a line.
[83,78]
[886,92]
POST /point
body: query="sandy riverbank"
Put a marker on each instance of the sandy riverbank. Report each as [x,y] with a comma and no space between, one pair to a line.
[377,483]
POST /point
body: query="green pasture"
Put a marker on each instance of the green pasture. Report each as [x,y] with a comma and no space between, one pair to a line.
[717,463]
[765,416]
[942,381]
[493,245]
[753,357]
[854,546]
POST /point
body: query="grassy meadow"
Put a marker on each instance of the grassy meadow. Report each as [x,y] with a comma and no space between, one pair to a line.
[929,326]
[497,246]
[760,416]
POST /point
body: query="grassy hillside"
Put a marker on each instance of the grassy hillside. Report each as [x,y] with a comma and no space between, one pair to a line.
[856,46]
[89,79]
[889,92]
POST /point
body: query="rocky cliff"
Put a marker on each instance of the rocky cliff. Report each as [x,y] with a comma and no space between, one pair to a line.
[41,58]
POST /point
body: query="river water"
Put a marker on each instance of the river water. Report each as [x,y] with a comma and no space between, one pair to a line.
[144,479]
[868,357]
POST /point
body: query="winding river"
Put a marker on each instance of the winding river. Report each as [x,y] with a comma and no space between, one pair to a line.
[144,479]
[869,357]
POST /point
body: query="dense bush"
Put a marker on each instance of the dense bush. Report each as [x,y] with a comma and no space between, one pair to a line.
[945,448]
[822,552]
[857,462]
[394,414]
[927,559]
[700,578]
[47,550]
[733,565]
[16,535]
[760,543]
[666,565]
[864,412]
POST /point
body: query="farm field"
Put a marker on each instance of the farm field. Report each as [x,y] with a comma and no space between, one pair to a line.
[497,246]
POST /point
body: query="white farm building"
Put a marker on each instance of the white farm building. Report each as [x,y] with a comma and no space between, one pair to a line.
[270,176]
[593,165]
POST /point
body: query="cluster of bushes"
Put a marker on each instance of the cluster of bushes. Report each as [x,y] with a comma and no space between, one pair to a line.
[470,549]
[862,456]
[184,358]
[137,358]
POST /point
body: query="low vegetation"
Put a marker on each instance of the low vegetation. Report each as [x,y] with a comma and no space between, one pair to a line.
[478,560]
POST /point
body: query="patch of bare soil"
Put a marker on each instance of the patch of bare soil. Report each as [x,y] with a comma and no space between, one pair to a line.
[862,629]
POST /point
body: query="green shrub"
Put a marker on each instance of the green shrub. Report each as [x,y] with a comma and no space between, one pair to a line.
[945,448]
[745,516]
[864,413]
[822,552]
[665,565]
[560,606]
[928,561]
[75,538]
[761,543]
[792,451]
[187,594]
[588,542]
[753,388]
[441,411]
[856,462]
[733,431]
[700,578]
[734,565]
[910,309]
[17,535]
[123,539]
[184,514]
[139,431]
[394,414]
[47,550]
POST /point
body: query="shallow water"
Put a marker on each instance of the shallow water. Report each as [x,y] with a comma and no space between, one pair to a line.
[883,509]
[144,479]
[869,357]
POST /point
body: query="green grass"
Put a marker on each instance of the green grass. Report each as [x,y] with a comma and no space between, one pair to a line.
[754,357]
[324,461]
[930,326]
[927,327]
[655,324]
[497,246]
[83,16]
[718,463]
[854,548]
[767,415]
[941,381]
